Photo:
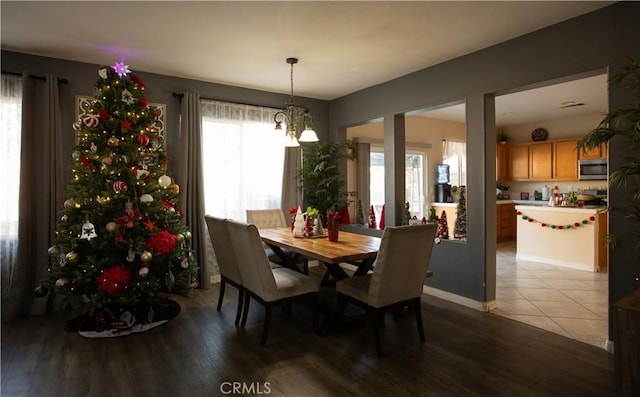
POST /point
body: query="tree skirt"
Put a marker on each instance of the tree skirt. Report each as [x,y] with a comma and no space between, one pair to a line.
[128,320]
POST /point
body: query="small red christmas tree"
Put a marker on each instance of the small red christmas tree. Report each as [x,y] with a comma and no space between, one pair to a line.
[443,228]
[372,218]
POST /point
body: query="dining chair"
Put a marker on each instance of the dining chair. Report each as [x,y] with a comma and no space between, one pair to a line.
[268,218]
[271,287]
[229,270]
[397,278]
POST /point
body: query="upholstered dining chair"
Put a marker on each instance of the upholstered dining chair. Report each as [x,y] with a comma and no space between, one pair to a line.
[271,287]
[397,278]
[267,218]
[229,270]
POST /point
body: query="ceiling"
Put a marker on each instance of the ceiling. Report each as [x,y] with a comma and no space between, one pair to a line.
[342,46]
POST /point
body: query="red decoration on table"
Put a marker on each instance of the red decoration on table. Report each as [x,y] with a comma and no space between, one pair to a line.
[308,227]
[333,225]
[382,218]
[345,217]
[372,218]
[292,212]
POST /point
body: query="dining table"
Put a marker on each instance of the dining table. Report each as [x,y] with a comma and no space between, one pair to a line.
[355,249]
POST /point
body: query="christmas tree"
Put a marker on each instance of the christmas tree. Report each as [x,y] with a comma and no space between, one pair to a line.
[442,231]
[120,241]
[460,226]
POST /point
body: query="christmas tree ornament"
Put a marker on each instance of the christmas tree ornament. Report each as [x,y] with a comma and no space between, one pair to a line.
[127,97]
[187,235]
[143,140]
[143,272]
[179,237]
[102,72]
[142,173]
[164,181]
[113,141]
[125,126]
[106,161]
[184,263]
[69,204]
[131,255]
[146,256]
[88,231]
[111,227]
[41,291]
[170,280]
[460,225]
[75,155]
[62,282]
[146,198]
[53,251]
[64,218]
[175,189]
[119,186]
[102,200]
[93,148]
[71,258]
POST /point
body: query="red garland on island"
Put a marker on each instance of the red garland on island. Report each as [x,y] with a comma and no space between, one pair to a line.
[573,225]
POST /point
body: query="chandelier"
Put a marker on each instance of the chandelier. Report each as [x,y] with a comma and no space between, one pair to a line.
[294,115]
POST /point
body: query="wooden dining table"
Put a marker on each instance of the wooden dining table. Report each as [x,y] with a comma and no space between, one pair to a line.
[355,249]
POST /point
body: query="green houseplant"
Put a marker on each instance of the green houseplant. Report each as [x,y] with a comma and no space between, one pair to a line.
[322,182]
[624,123]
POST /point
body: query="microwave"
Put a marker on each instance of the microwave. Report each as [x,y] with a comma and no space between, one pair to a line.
[592,169]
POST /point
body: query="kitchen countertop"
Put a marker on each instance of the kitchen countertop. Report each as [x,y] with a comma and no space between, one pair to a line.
[536,203]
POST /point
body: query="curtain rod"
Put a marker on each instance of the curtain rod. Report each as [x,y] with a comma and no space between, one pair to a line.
[60,80]
[180,96]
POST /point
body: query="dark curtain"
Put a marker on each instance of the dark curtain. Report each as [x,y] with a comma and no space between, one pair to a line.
[191,198]
[41,190]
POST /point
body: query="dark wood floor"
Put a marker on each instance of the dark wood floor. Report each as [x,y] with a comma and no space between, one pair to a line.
[467,353]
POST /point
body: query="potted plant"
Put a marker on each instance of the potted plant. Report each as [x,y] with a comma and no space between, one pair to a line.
[323,183]
[624,123]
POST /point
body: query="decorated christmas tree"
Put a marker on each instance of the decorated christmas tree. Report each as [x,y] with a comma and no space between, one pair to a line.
[460,226]
[120,241]
[442,231]
[359,213]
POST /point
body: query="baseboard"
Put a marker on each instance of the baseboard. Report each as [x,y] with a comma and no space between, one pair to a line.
[557,262]
[608,346]
[461,300]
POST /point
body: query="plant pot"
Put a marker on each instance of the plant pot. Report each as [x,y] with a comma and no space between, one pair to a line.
[333,235]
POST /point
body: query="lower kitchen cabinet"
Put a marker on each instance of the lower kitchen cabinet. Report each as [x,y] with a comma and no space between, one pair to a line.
[505,222]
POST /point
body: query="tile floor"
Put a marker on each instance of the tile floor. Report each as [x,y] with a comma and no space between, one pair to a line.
[566,301]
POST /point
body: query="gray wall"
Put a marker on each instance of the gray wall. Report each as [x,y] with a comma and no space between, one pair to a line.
[83,76]
[578,47]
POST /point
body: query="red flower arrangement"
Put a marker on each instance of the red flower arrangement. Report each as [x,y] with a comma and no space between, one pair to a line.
[162,243]
[333,220]
[114,279]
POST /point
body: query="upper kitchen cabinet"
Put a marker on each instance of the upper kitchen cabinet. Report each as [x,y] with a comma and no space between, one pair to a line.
[597,152]
[502,164]
[518,160]
[541,160]
[565,160]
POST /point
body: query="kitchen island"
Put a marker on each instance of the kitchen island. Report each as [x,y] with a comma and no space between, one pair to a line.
[566,236]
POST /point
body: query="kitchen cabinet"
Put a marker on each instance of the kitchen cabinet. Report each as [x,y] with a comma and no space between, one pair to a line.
[565,161]
[518,161]
[597,152]
[541,161]
[505,222]
[502,165]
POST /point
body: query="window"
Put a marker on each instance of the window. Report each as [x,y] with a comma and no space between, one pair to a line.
[414,181]
[455,155]
[11,122]
[242,159]
[10,119]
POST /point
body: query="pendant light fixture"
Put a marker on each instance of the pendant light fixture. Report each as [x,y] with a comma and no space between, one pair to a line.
[295,115]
